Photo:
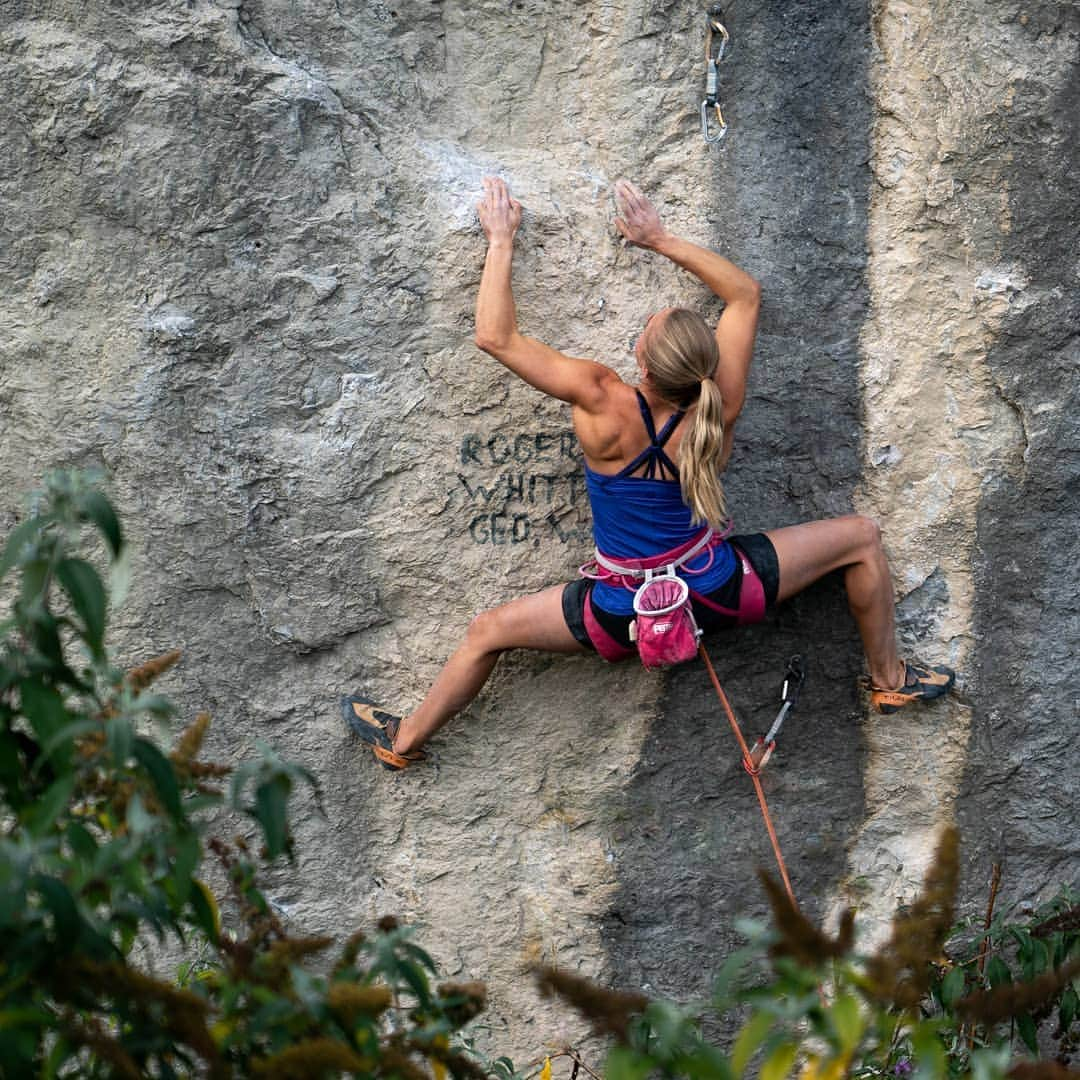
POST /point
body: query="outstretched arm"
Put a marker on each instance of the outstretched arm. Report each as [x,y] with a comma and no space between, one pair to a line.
[737,328]
[581,382]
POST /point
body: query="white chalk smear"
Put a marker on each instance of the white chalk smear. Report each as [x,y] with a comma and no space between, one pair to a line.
[997,280]
[539,180]
[170,323]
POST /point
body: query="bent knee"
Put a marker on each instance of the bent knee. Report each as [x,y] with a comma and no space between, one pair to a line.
[487,630]
[866,532]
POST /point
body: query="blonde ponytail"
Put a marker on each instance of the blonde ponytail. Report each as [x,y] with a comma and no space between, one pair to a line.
[680,357]
[700,458]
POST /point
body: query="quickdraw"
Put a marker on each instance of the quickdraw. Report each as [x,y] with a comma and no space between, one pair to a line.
[755,774]
[794,677]
[716,40]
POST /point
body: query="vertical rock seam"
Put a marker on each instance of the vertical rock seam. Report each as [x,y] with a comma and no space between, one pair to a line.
[937,426]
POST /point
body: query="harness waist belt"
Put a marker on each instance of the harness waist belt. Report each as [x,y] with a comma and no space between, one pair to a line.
[668,561]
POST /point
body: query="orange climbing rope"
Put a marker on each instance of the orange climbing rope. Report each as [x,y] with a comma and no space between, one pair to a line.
[752,769]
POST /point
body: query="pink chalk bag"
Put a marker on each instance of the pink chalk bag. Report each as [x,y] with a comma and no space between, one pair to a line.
[664,628]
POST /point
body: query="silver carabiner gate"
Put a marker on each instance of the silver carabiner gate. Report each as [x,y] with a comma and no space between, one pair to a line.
[712,135]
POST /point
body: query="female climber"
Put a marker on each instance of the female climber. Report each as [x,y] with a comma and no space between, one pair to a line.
[653,457]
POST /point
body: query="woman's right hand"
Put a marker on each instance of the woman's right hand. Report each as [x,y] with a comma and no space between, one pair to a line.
[500,215]
[640,222]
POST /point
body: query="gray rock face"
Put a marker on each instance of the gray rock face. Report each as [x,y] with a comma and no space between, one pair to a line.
[238,261]
[794,202]
[1018,797]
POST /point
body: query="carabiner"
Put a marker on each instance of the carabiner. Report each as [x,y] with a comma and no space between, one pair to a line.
[721,128]
[794,677]
[717,27]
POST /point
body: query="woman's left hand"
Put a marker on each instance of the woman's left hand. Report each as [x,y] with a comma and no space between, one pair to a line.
[500,214]
[640,222]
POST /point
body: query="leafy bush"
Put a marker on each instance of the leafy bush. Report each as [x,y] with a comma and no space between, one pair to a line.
[103,838]
[932,1002]
[103,842]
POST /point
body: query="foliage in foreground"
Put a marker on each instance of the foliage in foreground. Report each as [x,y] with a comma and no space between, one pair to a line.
[934,1001]
[103,839]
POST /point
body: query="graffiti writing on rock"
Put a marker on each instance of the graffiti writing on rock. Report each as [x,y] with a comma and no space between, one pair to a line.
[524,487]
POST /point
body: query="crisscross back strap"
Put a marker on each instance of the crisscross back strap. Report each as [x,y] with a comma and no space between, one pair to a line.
[653,457]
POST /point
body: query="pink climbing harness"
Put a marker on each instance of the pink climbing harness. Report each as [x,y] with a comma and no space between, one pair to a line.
[664,628]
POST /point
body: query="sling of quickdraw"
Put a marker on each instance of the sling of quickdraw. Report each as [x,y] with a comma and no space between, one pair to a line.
[716,40]
[794,677]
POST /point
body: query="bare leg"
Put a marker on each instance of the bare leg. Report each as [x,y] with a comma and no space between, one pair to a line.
[808,552]
[533,622]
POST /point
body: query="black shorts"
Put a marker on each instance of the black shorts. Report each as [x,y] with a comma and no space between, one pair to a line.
[758,549]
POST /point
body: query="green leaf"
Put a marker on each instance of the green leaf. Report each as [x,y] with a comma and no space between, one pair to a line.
[410,948]
[18,1051]
[778,1064]
[65,735]
[1041,960]
[1023,948]
[59,1054]
[997,972]
[1025,1027]
[157,704]
[847,1021]
[205,909]
[727,980]
[271,803]
[12,899]
[120,578]
[93,506]
[39,819]
[990,1062]
[82,842]
[952,987]
[119,737]
[139,821]
[929,1052]
[415,978]
[61,904]
[626,1064]
[44,634]
[703,1062]
[185,860]
[241,775]
[749,1039]
[1068,1007]
[33,587]
[10,761]
[43,707]
[25,1016]
[161,774]
[82,584]
[18,539]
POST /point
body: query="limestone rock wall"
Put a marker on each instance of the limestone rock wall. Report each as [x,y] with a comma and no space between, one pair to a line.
[238,262]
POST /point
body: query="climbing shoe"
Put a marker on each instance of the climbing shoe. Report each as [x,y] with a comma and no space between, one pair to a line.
[920,684]
[377,728]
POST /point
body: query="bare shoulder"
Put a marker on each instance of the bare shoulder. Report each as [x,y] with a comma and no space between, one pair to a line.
[601,390]
[600,428]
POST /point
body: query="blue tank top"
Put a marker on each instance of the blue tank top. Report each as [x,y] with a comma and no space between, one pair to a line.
[637,517]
